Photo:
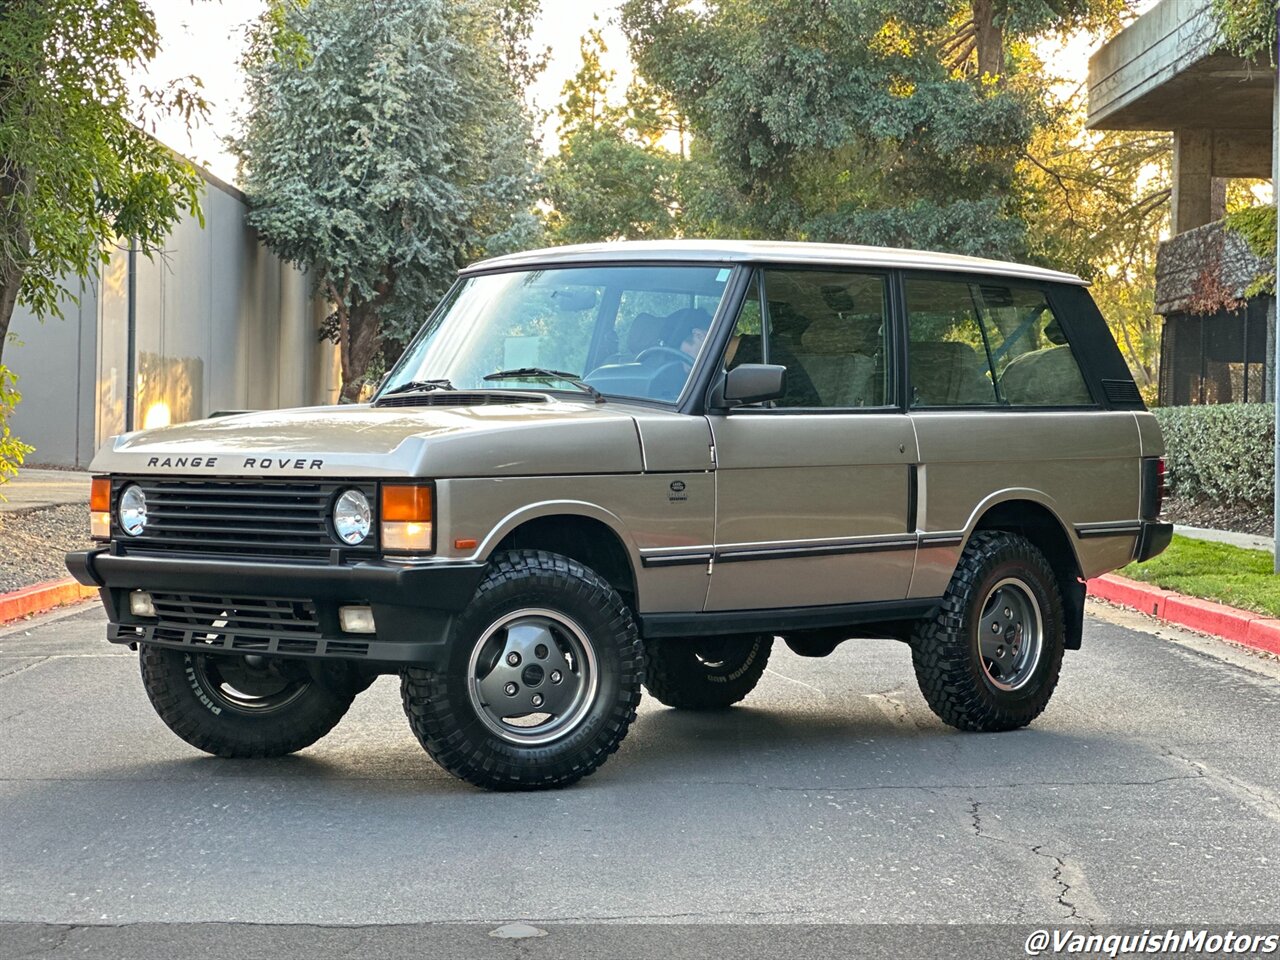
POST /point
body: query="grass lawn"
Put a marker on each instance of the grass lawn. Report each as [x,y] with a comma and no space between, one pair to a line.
[1213,571]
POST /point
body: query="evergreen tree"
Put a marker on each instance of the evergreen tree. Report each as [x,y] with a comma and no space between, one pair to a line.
[385,146]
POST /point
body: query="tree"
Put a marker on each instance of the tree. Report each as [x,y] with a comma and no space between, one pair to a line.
[857,120]
[611,178]
[385,146]
[77,169]
[1097,204]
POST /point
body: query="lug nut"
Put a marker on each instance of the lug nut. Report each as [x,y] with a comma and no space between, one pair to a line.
[1008,612]
[513,658]
[995,628]
[541,651]
[555,676]
[537,699]
[511,689]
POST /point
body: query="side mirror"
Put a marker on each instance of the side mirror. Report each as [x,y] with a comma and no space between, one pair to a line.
[749,383]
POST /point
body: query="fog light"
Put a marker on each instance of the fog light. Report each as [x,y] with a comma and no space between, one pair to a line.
[140,604]
[356,619]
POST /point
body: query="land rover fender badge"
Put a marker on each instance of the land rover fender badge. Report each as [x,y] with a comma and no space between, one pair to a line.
[675,491]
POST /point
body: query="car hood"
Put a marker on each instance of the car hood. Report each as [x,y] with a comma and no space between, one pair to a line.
[520,439]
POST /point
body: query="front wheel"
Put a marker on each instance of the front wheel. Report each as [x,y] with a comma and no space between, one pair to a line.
[243,706]
[989,660]
[542,679]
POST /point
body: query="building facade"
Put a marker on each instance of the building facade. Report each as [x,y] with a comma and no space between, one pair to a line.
[212,322]
[1167,71]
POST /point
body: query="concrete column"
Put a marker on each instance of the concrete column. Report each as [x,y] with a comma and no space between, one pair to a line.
[1192,179]
[1275,336]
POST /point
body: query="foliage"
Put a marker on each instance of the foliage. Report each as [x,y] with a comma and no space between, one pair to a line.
[522,63]
[1214,571]
[1097,205]
[384,147]
[77,168]
[12,450]
[1258,227]
[1221,451]
[878,121]
[611,178]
[1248,27]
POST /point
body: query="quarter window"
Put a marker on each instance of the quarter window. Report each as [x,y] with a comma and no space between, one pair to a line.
[828,328]
[988,343]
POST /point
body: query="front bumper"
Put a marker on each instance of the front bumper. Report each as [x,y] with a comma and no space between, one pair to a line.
[1153,537]
[413,605]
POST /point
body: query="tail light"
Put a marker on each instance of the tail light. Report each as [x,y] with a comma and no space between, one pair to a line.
[1153,487]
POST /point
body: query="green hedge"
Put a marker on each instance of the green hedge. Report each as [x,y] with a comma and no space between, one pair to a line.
[1222,451]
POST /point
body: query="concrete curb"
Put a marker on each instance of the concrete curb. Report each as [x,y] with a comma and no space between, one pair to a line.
[1255,630]
[42,597]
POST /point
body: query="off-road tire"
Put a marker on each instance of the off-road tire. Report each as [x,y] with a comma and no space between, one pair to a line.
[945,652]
[447,723]
[683,672]
[171,680]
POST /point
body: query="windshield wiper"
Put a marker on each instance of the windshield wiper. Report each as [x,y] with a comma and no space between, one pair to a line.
[542,373]
[426,386]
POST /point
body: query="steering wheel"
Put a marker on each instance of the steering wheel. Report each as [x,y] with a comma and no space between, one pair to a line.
[664,351]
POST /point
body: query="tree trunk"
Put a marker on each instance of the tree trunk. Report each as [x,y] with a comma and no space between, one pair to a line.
[989,39]
[15,238]
[10,280]
[361,342]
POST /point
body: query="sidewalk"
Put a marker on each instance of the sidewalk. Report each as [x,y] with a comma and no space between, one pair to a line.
[1246,541]
[35,489]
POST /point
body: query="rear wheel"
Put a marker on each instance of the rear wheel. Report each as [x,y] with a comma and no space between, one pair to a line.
[243,706]
[989,660]
[542,679]
[705,673]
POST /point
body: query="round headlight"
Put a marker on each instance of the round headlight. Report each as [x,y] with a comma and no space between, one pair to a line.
[133,510]
[352,517]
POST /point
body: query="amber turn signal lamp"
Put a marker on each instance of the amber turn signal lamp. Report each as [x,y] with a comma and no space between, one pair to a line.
[100,508]
[407,511]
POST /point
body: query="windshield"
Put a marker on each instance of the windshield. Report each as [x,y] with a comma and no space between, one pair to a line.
[626,331]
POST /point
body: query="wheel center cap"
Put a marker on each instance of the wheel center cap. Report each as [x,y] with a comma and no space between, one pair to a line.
[532,675]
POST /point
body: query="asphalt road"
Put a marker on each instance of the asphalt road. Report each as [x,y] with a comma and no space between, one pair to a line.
[1148,794]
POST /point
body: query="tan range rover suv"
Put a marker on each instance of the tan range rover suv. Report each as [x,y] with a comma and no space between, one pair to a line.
[610,466]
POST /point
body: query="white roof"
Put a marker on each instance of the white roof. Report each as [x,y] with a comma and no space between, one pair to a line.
[755,251]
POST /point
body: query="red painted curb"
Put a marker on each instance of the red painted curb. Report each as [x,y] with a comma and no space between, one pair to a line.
[42,597]
[1229,623]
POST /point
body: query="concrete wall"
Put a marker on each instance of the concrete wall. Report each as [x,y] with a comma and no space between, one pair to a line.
[221,324]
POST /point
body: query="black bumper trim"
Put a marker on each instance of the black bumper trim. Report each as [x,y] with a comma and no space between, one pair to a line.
[444,586]
[413,606]
[1152,539]
[347,647]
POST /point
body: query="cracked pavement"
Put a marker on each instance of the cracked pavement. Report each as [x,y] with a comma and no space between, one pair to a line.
[1148,793]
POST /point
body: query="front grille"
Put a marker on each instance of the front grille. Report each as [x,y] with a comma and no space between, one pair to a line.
[240,624]
[269,519]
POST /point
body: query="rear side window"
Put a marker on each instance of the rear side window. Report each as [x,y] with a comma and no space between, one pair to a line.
[988,342]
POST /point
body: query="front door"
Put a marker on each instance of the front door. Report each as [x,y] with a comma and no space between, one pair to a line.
[812,490]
